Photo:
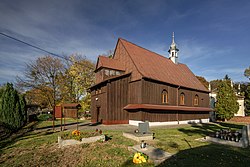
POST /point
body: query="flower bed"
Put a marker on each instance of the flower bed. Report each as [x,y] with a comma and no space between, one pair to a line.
[77,137]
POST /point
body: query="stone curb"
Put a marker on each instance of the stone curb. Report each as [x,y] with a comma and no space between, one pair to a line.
[69,142]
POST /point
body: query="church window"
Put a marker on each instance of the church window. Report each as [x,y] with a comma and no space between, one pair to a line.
[107,72]
[196,100]
[112,72]
[164,95]
[117,73]
[182,99]
[98,91]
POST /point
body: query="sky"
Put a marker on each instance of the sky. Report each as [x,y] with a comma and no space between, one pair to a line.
[213,36]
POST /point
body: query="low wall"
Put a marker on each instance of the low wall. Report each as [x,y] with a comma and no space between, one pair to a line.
[69,142]
[136,123]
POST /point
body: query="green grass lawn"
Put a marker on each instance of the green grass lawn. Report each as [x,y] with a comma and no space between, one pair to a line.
[41,149]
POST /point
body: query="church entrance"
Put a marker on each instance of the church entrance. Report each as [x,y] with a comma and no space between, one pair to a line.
[97,114]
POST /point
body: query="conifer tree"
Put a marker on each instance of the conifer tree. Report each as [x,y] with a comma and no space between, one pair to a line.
[12,112]
[226,105]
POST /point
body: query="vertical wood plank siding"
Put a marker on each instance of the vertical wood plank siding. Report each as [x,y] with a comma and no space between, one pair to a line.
[101,103]
[165,116]
[135,92]
[117,100]
[151,94]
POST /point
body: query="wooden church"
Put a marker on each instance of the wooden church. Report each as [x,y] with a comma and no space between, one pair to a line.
[138,85]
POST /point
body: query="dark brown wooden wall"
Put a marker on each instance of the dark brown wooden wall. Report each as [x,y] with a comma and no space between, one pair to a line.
[151,94]
[153,116]
[117,99]
[188,115]
[135,92]
[101,103]
[99,76]
[189,98]
[165,116]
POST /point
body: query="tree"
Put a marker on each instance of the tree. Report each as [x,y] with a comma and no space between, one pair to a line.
[227,78]
[78,77]
[38,97]
[13,108]
[214,84]
[203,81]
[50,81]
[247,72]
[44,74]
[226,105]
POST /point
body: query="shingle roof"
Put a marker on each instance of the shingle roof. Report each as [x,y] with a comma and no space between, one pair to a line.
[154,66]
[109,63]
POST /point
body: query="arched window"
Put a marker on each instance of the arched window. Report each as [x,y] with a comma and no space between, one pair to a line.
[182,99]
[196,100]
[164,96]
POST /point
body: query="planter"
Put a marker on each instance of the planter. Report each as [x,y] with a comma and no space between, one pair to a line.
[69,142]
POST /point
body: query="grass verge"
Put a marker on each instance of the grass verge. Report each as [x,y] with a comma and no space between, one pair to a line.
[40,148]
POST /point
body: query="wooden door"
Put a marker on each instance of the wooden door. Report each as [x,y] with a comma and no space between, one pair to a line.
[97,114]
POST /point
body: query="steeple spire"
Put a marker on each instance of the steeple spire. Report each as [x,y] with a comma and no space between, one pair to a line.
[173,51]
[173,38]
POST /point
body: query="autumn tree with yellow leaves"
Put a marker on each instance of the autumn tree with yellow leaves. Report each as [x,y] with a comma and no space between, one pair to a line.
[78,77]
[50,80]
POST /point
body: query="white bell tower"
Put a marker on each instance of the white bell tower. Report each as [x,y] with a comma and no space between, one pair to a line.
[173,51]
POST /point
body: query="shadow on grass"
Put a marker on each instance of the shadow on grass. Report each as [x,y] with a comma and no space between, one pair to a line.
[231,125]
[17,135]
[208,129]
[209,155]
[23,134]
[67,124]
[202,129]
